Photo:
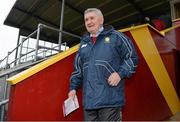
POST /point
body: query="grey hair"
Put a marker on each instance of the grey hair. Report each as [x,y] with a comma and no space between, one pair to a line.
[97,11]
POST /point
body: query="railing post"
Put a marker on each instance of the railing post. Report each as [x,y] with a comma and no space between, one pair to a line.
[7,65]
[37,41]
[61,24]
[4,98]
[51,48]
[44,51]
[16,53]
[65,46]
[20,52]
[172,9]
[27,47]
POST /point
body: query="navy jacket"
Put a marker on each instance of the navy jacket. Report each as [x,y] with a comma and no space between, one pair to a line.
[112,52]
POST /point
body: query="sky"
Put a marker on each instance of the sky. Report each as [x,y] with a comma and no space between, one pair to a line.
[8,35]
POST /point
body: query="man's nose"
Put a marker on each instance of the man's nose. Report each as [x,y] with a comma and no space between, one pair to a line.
[89,22]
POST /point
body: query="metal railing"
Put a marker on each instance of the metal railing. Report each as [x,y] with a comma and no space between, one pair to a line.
[28,52]
[4,100]
[33,52]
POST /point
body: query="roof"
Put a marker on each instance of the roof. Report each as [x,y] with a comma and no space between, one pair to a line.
[26,14]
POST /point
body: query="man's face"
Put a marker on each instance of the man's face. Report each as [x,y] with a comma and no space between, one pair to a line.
[93,22]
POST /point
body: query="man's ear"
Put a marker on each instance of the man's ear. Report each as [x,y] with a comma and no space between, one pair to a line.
[101,20]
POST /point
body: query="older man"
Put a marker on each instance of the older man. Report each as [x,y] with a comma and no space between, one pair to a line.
[105,58]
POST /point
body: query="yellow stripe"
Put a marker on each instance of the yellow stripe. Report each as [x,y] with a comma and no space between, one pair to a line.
[178,19]
[149,51]
[140,26]
[33,70]
[133,27]
[169,29]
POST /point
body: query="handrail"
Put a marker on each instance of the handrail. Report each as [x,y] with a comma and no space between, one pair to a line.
[20,68]
[65,32]
[52,60]
[10,52]
[29,50]
[4,102]
[169,29]
[43,47]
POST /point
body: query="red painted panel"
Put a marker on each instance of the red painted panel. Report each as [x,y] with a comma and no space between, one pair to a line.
[177,69]
[41,96]
[174,37]
[176,22]
[168,50]
[144,101]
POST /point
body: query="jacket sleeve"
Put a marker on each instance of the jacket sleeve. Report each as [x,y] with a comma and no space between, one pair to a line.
[76,76]
[128,55]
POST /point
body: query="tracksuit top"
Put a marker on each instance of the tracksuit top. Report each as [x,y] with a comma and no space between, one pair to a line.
[94,63]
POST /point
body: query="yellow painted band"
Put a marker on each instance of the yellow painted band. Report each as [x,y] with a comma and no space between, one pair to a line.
[133,27]
[150,53]
[141,26]
[178,19]
[33,70]
[169,29]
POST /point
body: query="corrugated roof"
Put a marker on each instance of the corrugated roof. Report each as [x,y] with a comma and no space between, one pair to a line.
[26,14]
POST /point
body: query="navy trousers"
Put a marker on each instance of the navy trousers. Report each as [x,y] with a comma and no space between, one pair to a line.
[103,114]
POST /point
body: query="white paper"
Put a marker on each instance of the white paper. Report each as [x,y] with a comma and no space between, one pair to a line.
[70,105]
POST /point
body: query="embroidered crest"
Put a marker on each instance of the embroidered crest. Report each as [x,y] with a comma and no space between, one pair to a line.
[107,40]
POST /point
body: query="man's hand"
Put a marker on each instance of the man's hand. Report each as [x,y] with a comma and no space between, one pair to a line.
[114,79]
[72,94]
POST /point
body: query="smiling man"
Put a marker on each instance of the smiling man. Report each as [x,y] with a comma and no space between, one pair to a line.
[105,58]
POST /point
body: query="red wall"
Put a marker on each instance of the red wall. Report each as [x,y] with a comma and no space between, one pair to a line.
[169,47]
[41,96]
[174,37]
[177,22]
[144,101]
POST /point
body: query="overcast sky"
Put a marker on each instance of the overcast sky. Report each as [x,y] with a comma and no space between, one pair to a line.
[8,35]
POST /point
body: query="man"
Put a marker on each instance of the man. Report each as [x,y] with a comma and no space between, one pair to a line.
[105,58]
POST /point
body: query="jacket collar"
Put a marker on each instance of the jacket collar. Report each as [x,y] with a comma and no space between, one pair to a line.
[107,29]
[99,31]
